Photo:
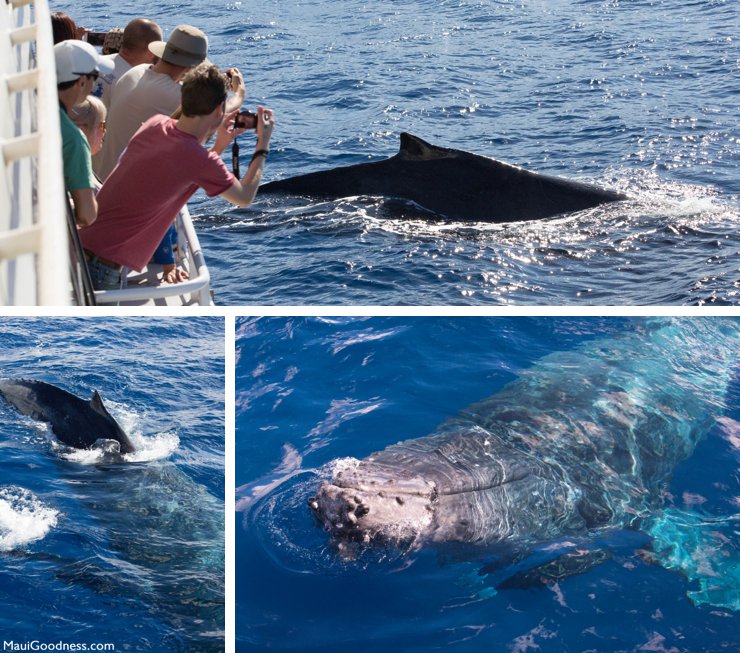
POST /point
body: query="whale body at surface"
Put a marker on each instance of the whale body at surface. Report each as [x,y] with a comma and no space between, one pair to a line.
[75,422]
[452,184]
[585,440]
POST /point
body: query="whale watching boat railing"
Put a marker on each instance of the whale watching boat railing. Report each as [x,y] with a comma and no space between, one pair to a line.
[41,262]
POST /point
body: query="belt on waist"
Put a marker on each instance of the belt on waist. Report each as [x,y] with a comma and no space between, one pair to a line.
[92,256]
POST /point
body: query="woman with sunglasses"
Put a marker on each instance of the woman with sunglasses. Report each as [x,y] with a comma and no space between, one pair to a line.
[90,117]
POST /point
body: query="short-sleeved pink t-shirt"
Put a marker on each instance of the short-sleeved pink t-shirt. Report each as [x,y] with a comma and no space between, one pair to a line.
[158,173]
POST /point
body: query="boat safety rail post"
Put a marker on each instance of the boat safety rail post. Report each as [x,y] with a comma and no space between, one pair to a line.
[33,239]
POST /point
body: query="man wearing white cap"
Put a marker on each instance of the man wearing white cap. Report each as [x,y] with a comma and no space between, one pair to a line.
[78,66]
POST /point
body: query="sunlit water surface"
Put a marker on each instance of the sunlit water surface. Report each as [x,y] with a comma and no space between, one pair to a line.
[636,96]
[312,391]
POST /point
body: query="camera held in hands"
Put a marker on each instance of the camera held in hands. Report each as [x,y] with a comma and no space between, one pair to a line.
[245,120]
[95,38]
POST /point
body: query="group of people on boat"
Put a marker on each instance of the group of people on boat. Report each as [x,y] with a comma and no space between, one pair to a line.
[136,123]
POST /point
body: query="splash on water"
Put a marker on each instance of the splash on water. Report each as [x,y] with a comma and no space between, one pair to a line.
[147,448]
[23,518]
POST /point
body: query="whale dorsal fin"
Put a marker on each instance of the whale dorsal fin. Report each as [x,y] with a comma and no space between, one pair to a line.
[413,147]
[97,404]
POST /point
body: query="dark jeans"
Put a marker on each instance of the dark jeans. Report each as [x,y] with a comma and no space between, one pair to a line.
[104,277]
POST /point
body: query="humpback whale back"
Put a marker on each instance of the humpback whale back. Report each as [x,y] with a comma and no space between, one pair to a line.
[74,421]
[451,184]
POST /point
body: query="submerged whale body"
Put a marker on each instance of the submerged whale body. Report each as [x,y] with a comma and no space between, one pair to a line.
[158,536]
[584,441]
[75,422]
[452,184]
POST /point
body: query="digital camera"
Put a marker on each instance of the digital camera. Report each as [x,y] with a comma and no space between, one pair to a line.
[245,120]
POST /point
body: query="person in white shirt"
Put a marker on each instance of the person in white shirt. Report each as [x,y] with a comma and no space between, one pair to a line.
[147,90]
[134,51]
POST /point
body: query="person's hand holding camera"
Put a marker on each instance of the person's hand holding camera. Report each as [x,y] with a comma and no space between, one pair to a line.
[238,122]
[265,125]
[227,131]
[236,82]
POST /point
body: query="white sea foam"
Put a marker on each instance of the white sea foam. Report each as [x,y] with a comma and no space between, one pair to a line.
[147,447]
[152,447]
[83,456]
[346,464]
[23,518]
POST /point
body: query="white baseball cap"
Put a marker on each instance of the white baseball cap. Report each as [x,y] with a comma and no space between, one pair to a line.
[77,58]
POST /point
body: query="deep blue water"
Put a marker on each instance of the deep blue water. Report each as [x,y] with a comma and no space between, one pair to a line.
[639,96]
[311,390]
[107,551]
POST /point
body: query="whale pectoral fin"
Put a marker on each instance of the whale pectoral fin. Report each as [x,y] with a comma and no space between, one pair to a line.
[569,564]
[703,549]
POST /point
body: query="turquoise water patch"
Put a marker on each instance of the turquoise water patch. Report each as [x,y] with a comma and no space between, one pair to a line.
[704,549]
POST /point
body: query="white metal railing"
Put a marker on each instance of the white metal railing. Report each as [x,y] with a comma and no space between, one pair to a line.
[35,264]
[196,290]
[33,226]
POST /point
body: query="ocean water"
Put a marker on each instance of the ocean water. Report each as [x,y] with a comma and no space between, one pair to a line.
[638,96]
[99,550]
[311,391]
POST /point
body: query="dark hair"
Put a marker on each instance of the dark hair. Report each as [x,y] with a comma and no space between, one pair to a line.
[63,27]
[63,86]
[203,89]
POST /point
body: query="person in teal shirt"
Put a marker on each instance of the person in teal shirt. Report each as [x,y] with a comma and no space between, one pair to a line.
[76,155]
[78,67]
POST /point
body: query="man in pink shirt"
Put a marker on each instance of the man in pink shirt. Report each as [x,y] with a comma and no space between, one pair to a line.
[164,164]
